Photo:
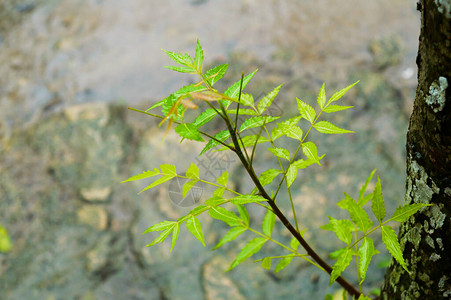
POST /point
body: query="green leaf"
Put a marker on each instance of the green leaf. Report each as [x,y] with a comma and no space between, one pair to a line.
[294,243]
[334,108]
[283,263]
[322,97]
[306,111]
[247,99]
[329,128]
[5,241]
[277,132]
[243,213]
[157,182]
[256,122]
[192,172]
[216,73]
[162,236]
[266,101]
[268,176]
[342,229]
[175,235]
[145,174]
[230,236]
[215,201]
[181,69]
[159,103]
[160,226]
[339,94]
[358,214]
[266,263]
[377,205]
[280,152]
[391,242]
[337,253]
[221,136]
[204,117]
[249,140]
[243,111]
[268,223]
[188,186]
[189,131]
[234,89]
[183,59]
[364,186]
[168,170]
[194,226]
[228,217]
[292,131]
[222,180]
[310,150]
[302,164]
[199,58]
[340,265]
[198,210]
[291,174]
[219,192]
[252,247]
[403,213]
[365,199]
[366,252]
[363,297]
[243,199]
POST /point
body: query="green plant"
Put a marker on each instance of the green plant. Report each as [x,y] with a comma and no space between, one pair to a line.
[5,242]
[228,105]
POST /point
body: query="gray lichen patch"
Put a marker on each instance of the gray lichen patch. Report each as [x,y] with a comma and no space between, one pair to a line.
[436,216]
[419,191]
[430,241]
[436,97]
[444,7]
[435,257]
[440,243]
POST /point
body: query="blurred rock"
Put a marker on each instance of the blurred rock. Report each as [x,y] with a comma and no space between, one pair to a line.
[217,285]
[93,215]
[387,51]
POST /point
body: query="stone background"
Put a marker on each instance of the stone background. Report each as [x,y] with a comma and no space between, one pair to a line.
[70,68]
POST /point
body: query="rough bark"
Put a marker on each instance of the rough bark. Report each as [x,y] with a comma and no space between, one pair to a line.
[426,237]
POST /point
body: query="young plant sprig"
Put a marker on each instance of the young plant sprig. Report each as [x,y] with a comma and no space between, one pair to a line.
[236,139]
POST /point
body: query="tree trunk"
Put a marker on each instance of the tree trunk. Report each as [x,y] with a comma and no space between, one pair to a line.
[426,237]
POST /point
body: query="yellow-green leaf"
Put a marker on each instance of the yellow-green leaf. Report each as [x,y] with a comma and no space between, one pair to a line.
[195,227]
[252,247]
[329,128]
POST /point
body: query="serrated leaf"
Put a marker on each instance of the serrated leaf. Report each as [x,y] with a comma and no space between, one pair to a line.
[403,213]
[278,132]
[228,217]
[365,199]
[145,174]
[256,122]
[329,128]
[364,186]
[280,152]
[162,236]
[183,59]
[366,252]
[268,223]
[266,263]
[290,130]
[302,164]
[294,243]
[234,89]
[160,226]
[221,136]
[194,226]
[199,58]
[283,263]
[5,241]
[340,265]
[188,186]
[339,94]
[252,247]
[337,253]
[310,150]
[377,205]
[198,210]
[342,229]
[189,131]
[192,172]
[247,99]
[222,180]
[215,201]
[230,236]
[321,97]
[357,213]
[391,242]
[243,199]
[216,73]
[334,108]
[268,176]
[291,174]
[306,111]
[243,213]
[266,101]
[175,235]
[181,69]
[204,117]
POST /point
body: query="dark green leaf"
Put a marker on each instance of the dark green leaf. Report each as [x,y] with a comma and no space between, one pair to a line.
[391,242]
[221,136]
[403,213]
[377,205]
[194,226]
[366,252]
[189,131]
[252,247]
[230,236]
